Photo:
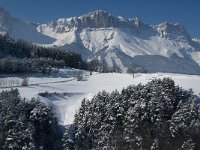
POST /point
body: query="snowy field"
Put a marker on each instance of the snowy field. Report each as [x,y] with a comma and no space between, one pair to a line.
[65,94]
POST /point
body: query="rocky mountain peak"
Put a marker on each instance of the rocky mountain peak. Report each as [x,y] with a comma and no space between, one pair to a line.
[173,31]
[138,22]
[3,11]
[98,19]
[196,40]
[103,19]
[97,13]
[4,16]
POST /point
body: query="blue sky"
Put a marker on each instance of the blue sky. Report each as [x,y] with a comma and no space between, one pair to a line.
[186,12]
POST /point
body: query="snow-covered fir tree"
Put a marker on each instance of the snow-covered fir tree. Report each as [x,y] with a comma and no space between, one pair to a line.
[158,115]
[26,125]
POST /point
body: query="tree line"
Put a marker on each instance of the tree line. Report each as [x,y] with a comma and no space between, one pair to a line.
[18,56]
[30,65]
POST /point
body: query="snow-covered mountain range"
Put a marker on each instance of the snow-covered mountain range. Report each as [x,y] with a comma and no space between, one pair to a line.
[119,41]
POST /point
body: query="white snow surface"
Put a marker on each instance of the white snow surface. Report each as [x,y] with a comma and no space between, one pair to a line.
[96,39]
[129,43]
[61,38]
[19,29]
[70,92]
[106,42]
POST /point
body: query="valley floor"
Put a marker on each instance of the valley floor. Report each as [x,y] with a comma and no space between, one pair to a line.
[65,94]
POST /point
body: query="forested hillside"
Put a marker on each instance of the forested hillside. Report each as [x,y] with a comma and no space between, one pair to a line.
[155,116]
[22,57]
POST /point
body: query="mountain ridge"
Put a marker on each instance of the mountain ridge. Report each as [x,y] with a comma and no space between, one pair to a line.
[103,19]
[125,42]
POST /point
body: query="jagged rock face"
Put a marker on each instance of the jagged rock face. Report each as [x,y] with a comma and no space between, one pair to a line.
[102,19]
[196,40]
[173,31]
[4,20]
[3,15]
[196,44]
[98,19]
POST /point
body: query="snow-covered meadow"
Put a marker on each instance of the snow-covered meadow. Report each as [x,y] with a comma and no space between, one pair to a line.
[65,94]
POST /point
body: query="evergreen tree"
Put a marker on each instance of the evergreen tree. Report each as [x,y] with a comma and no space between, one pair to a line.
[158,115]
[26,125]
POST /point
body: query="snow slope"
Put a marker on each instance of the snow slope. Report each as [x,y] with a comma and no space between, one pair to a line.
[67,93]
[19,29]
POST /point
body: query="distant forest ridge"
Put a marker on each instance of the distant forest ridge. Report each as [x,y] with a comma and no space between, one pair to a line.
[18,56]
